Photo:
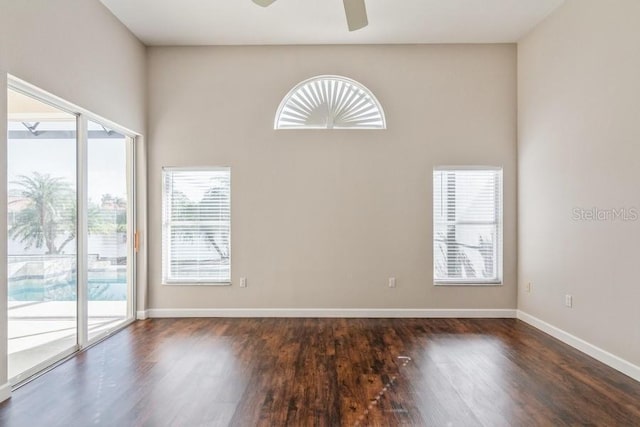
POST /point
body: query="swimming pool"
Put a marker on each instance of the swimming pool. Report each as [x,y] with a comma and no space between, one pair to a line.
[99,290]
[54,279]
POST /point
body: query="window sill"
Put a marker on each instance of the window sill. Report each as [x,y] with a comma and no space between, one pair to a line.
[187,283]
[454,283]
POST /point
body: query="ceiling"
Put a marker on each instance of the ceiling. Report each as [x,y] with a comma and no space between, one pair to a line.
[24,108]
[241,22]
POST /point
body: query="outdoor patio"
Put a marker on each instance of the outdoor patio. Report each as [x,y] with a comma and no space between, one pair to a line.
[39,331]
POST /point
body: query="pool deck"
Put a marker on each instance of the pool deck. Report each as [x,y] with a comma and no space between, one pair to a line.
[39,331]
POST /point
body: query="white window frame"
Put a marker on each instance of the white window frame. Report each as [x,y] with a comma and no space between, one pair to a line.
[306,96]
[498,280]
[83,116]
[166,246]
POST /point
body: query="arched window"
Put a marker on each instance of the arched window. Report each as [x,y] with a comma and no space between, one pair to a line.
[330,102]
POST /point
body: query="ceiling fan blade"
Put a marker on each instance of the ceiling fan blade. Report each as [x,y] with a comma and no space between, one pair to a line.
[263,3]
[356,12]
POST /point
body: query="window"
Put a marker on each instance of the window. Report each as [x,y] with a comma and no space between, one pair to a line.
[196,225]
[330,102]
[467,225]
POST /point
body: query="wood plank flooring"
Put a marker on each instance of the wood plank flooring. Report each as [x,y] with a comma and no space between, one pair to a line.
[327,372]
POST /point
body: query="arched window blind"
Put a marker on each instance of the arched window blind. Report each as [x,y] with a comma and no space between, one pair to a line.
[330,102]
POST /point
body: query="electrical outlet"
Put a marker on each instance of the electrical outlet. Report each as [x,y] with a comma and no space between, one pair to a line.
[392,282]
[568,300]
[527,287]
[243,282]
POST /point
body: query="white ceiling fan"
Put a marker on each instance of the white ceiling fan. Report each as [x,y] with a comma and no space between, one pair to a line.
[355,10]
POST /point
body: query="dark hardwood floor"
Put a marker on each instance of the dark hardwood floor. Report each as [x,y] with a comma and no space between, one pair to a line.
[327,372]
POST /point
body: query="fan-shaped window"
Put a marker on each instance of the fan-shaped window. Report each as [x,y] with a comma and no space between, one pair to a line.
[330,102]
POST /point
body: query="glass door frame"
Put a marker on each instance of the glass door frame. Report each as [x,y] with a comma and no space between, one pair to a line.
[83,234]
[82,139]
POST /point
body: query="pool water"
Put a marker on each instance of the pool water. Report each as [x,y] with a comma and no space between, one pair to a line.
[36,290]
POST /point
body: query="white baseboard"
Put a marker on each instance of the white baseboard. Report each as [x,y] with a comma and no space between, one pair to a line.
[142,314]
[597,353]
[5,392]
[332,312]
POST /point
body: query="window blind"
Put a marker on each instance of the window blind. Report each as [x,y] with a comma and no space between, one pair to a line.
[467,225]
[196,225]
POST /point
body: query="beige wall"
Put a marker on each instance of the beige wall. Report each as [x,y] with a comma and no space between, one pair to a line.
[78,51]
[321,219]
[579,147]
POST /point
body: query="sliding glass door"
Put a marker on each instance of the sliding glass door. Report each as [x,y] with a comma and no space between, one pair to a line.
[42,256]
[70,228]
[109,264]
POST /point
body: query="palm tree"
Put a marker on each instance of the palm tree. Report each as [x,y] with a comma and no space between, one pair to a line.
[49,213]
[219,241]
[185,209]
